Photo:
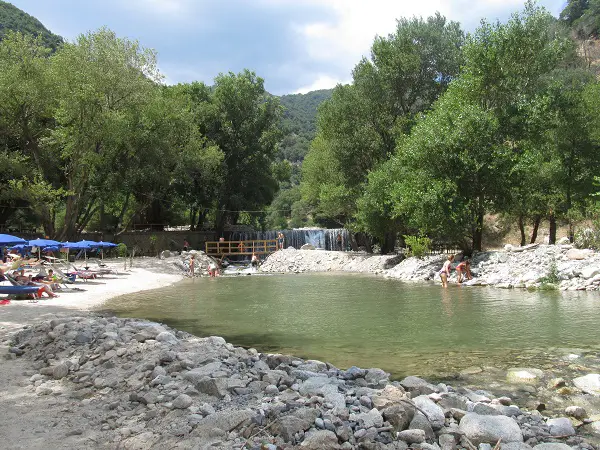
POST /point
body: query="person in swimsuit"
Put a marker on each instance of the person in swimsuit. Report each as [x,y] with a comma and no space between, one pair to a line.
[280,240]
[464,267]
[445,271]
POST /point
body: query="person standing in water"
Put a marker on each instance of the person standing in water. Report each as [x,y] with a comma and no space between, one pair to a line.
[192,263]
[445,271]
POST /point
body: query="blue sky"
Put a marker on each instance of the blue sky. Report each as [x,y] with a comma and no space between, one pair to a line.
[295,45]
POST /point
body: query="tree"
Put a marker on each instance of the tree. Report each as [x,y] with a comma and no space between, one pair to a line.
[99,106]
[243,121]
[359,127]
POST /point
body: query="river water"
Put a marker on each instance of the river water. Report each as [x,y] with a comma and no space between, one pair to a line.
[369,321]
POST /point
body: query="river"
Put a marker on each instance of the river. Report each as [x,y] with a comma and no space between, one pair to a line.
[368,321]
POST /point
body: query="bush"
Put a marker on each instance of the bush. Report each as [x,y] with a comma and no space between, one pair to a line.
[552,275]
[588,238]
[418,246]
[121,250]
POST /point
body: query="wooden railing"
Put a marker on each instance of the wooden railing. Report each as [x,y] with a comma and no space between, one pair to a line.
[259,247]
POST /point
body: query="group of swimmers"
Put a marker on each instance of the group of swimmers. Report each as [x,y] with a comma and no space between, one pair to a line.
[463,269]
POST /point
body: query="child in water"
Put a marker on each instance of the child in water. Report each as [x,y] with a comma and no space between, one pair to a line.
[464,267]
[445,271]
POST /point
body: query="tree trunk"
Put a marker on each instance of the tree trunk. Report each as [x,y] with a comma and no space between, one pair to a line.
[478,232]
[536,227]
[522,230]
[353,242]
[552,230]
[571,232]
[389,243]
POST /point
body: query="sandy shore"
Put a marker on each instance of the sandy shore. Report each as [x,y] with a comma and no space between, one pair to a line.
[90,295]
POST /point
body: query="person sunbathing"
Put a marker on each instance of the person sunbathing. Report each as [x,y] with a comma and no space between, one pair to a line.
[23,280]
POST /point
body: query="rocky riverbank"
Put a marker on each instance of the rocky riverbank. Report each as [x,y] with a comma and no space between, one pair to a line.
[535,266]
[132,384]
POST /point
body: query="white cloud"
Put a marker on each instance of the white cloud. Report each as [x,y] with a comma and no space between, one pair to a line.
[345,41]
[321,82]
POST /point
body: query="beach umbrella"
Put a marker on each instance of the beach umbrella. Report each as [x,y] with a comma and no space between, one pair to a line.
[43,243]
[73,245]
[7,240]
[102,245]
[87,245]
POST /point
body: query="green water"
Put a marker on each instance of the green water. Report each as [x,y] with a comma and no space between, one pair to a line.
[368,321]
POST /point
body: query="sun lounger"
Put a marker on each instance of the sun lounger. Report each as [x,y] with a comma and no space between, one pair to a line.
[22,290]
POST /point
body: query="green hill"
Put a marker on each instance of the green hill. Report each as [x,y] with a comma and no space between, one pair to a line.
[300,122]
[12,18]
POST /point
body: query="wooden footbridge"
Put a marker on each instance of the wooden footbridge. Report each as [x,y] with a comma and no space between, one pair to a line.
[226,248]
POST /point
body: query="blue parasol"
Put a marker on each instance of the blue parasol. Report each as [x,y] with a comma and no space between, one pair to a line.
[43,243]
[8,240]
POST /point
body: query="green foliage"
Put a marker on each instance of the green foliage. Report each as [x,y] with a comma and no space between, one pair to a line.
[121,250]
[299,121]
[583,16]
[418,246]
[13,19]
[360,126]
[551,277]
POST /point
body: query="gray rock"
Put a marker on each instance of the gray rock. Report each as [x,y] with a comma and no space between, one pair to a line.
[353,373]
[552,446]
[453,401]
[319,423]
[376,377]
[412,436]
[561,427]
[488,429]
[216,387]
[420,422]
[524,375]
[271,390]
[370,419]
[60,371]
[366,402]
[485,447]
[182,401]
[166,337]
[194,375]
[320,440]
[225,420]
[398,416]
[447,442]
[515,446]
[300,420]
[432,411]
[485,409]
[589,384]
[576,411]
[417,384]
[158,371]
[314,385]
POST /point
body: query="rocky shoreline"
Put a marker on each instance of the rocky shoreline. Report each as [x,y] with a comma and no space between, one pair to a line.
[536,266]
[134,384]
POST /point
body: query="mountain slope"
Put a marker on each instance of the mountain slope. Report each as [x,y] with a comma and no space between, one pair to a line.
[300,122]
[12,18]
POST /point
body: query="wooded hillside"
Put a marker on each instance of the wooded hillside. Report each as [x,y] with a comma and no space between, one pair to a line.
[12,18]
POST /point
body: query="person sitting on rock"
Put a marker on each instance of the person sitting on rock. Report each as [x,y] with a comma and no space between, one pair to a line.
[464,267]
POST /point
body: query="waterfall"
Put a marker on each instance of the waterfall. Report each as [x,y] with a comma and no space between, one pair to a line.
[324,238]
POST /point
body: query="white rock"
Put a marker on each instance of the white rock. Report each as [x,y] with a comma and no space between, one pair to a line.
[589,384]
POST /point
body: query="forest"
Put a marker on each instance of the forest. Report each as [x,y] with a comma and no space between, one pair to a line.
[437,129]
[440,128]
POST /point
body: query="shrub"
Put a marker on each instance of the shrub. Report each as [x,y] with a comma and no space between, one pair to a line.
[418,246]
[552,275]
[122,250]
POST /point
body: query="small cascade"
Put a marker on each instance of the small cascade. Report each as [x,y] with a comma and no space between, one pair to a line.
[323,238]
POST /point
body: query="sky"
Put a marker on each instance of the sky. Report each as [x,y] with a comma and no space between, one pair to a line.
[295,45]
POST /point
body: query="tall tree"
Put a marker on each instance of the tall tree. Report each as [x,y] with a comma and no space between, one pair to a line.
[361,123]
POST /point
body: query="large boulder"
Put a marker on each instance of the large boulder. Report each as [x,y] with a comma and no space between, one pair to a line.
[225,420]
[489,429]
[300,420]
[320,440]
[432,411]
[590,384]
[578,254]
[561,426]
